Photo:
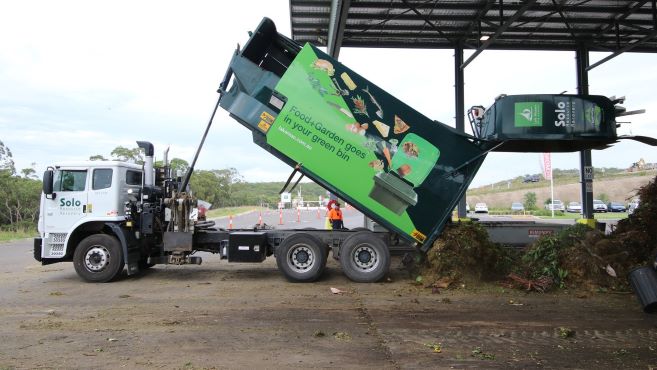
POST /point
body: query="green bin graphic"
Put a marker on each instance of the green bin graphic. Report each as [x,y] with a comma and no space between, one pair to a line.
[412,162]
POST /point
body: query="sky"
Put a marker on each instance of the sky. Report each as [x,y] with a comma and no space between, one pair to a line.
[79,78]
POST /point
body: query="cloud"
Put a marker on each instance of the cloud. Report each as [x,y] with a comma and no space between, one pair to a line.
[80,78]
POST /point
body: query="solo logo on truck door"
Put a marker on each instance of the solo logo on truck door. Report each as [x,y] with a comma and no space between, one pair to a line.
[70,206]
[63,202]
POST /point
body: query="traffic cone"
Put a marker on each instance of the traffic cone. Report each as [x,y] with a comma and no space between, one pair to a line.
[280,217]
[230,222]
[318,216]
[260,219]
[298,215]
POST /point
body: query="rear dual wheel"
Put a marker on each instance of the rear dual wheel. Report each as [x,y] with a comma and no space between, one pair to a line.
[301,258]
[364,257]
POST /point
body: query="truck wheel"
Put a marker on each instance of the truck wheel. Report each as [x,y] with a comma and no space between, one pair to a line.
[364,257]
[98,258]
[301,258]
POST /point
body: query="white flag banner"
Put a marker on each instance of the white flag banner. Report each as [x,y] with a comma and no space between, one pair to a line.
[547,166]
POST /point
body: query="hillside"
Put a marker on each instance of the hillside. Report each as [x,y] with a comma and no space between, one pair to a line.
[611,184]
[618,187]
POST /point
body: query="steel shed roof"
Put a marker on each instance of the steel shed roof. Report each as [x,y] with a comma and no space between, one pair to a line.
[599,25]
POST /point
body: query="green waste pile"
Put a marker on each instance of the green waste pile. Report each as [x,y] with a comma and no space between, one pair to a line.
[576,258]
[464,253]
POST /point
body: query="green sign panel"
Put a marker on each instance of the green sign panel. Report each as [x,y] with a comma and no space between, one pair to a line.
[528,114]
[372,148]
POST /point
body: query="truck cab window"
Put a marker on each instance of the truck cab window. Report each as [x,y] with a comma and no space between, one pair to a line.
[70,180]
[102,179]
[133,177]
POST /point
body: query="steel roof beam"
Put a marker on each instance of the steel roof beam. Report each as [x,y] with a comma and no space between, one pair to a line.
[563,16]
[628,11]
[576,8]
[466,18]
[641,31]
[622,50]
[457,33]
[433,26]
[480,14]
[499,32]
[337,22]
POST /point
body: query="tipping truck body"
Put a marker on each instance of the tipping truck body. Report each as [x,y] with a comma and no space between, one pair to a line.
[401,169]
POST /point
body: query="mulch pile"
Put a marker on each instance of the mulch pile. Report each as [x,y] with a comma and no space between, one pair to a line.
[578,257]
[464,253]
[592,260]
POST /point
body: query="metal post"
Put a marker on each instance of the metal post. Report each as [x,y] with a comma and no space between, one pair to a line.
[459,108]
[582,57]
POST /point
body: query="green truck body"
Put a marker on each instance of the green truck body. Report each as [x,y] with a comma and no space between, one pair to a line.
[400,168]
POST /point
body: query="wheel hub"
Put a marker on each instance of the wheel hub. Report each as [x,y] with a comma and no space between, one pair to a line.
[301,258]
[96,258]
[365,257]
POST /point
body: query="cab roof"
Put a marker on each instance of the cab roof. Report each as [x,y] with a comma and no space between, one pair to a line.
[97,164]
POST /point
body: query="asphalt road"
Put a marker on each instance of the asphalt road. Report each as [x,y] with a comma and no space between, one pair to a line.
[290,219]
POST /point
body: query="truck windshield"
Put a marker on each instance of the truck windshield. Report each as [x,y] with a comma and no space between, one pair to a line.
[70,180]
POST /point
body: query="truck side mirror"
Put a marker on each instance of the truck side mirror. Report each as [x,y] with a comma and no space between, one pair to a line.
[48,182]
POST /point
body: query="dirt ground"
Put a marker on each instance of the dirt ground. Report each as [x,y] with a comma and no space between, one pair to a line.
[221,315]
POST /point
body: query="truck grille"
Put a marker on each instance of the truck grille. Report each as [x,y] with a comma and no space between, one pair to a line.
[54,244]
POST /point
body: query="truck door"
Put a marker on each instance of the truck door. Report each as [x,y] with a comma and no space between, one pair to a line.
[102,200]
[64,209]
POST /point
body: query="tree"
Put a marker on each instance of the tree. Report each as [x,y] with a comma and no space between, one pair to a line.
[216,186]
[6,159]
[29,173]
[206,186]
[530,201]
[178,166]
[124,154]
[19,201]
[97,157]
[19,197]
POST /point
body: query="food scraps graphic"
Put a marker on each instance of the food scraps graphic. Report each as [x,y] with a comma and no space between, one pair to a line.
[373,149]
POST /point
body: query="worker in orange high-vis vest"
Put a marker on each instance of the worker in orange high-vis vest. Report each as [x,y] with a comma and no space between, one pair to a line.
[335,215]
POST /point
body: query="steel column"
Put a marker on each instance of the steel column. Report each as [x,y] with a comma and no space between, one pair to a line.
[582,57]
[459,107]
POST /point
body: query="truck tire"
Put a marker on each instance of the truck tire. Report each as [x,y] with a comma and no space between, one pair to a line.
[364,257]
[301,258]
[98,258]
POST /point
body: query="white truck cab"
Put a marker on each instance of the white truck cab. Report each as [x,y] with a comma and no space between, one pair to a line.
[85,196]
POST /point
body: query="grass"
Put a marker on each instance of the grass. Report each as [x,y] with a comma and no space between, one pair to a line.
[6,236]
[223,212]
[597,216]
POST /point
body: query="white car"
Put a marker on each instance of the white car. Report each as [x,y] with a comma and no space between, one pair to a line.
[574,207]
[632,206]
[481,208]
[556,205]
[599,206]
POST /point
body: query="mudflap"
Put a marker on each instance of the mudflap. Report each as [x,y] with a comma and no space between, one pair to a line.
[131,255]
